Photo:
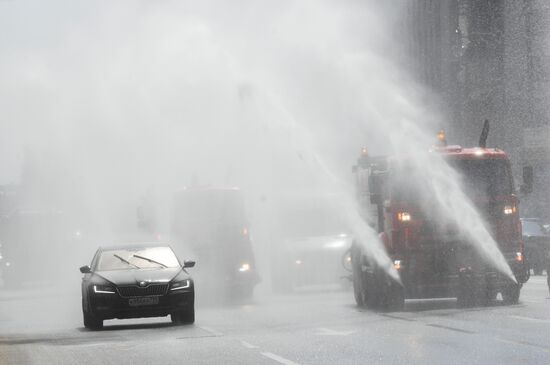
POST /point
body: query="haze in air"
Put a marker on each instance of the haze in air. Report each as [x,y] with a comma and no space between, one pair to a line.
[117,101]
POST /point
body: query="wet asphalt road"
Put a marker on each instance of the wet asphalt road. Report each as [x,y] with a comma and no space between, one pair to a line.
[44,327]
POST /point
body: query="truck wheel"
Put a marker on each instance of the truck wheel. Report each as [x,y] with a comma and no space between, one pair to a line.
[510,294]
[372,294]
[358,292]
[537,269]
[489,295]
[484,293]
[357,278]
[394,298]
[466,296]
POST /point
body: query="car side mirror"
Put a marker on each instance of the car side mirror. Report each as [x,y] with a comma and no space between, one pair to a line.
[85,269]
[375,188]
[188,264]
[527,186]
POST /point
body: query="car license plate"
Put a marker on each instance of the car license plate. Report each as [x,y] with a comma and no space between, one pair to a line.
[136,302]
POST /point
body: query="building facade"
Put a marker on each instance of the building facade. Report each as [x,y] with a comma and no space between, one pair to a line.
[489,59]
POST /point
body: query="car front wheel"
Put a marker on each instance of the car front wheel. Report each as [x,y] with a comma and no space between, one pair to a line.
[92,322]
[186,316]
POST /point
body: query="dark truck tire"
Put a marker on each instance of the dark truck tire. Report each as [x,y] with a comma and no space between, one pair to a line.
[465,293]
[365,291]
[372,291]
[473,292]
[394,298]
[358,291]
[537,268]
[510,294]
[357,276]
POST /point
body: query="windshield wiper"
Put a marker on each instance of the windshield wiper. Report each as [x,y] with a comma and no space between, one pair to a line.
[150,260]
[125,261]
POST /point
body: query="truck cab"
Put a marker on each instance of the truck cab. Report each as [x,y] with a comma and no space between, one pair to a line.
[432,257]
[210,224]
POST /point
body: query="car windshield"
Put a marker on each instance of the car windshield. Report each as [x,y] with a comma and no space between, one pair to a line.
[139,258]
[532,228]
[310,219]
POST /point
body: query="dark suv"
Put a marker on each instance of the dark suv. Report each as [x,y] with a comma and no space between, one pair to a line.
[537,244]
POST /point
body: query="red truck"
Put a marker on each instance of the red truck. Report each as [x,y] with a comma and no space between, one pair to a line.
[432,259]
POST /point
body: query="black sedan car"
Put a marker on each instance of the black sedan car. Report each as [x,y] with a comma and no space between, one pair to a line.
[137,281]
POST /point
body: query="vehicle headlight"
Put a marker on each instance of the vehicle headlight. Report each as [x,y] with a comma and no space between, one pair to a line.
[509,209]
[184,284]
[404,216]
[104,289]
[398,264]
[336,244]
[244,267]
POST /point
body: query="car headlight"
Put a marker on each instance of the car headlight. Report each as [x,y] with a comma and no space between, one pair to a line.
[104,289]
[181,285]
[244,267]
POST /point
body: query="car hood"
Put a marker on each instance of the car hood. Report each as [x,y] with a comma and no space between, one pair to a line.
[537,239]
[135,276]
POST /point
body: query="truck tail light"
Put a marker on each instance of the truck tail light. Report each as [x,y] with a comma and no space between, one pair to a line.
[519,256]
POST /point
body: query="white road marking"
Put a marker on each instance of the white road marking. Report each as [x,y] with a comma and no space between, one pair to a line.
[248,345]
[542,348]
[94,344]
[279,359]
[329,332]
[530,319]
[212,331]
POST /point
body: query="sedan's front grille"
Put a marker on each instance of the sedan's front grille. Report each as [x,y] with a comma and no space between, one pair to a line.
[136,291]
